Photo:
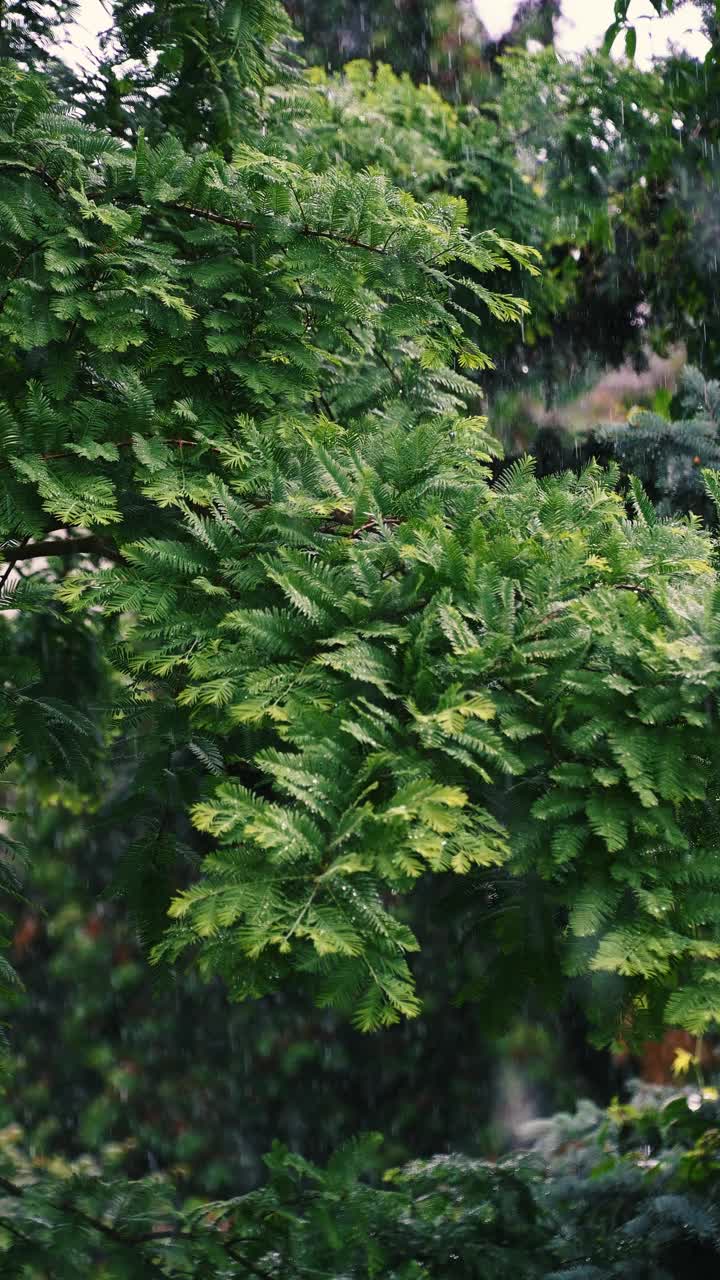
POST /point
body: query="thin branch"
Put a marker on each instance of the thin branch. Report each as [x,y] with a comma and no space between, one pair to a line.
[10,565]
[633,586]
[561,605]
[29,172]
[245,1262]
[19,1235]
[8,1226]
[117,1236]
[111,1233]
[243,224]
[62,455]
[86,546]
[16,271]
[372,523]
[393,372]
[11,1188]
[377,352]
[90,545]
[238,224]
[172,1233]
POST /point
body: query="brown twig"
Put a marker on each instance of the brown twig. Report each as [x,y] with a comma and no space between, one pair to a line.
[391,521]
[245,224]
[560,605]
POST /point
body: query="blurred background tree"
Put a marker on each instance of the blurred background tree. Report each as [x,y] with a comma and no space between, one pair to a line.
[31,30]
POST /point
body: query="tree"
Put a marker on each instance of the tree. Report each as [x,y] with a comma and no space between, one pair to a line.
[378,119]
[83,840]
[402,35]
[439,42]
[360,739]
[196,69]
[623,161]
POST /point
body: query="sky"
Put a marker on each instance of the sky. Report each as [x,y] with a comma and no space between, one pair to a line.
[584,23]
[582,26]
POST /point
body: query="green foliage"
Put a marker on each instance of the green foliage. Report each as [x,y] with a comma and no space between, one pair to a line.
[375,118]
[229,322]
[168,1071]
[193,68]
[319,579]
[442,42]
[336,32]
[670,455]
[380,681]
[625,161]
[295,296]
[586,1200]
[107,818]
[307,1220]
[439,42]
[607,168]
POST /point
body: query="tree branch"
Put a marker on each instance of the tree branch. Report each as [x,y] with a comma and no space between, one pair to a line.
[559,607]
[16,272]
[245,1262]
[96,1224]
[11,1188]
[86,546]
[243,224]
[29,171]
[9,569]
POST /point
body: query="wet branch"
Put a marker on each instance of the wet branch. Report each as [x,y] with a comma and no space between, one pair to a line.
[85,546]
